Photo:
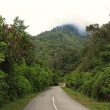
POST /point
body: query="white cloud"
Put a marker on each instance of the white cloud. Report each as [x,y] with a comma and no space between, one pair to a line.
[43,15]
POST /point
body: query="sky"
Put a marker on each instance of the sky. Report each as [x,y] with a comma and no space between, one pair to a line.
[43,15]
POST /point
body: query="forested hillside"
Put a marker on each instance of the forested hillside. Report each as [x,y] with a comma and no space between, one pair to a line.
[60,49]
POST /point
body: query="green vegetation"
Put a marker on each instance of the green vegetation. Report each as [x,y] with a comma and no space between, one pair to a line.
[62,54]
[92,76]
[88,102]
[83,62]
[20,72]
[59,49]
[19,104]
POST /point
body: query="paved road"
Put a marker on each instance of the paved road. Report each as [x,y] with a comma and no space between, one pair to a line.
[54,99]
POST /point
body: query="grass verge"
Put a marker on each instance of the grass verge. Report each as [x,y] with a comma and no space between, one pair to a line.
[19,104]
[86,101]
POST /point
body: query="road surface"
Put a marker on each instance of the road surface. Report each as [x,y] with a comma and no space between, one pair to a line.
[54,99]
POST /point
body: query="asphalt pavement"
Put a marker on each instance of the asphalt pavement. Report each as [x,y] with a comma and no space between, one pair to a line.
[54,99]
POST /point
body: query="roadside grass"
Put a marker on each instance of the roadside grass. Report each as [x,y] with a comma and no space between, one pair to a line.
[19,104]
[86,101]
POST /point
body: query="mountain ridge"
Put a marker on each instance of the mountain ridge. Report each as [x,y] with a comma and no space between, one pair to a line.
[59,49]
[71,29]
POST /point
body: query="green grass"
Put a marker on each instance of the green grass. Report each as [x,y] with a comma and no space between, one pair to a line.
[86,101]
[19,104]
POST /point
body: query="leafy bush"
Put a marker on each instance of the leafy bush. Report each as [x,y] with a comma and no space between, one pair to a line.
[74,80]
[87,85]
[3,88]
[19,85]
[56,78]
[38,76]
[101,87]
[94,85]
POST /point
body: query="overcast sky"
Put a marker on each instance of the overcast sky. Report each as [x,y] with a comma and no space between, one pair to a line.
[42,15]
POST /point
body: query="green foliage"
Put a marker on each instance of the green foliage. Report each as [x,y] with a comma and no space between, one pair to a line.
[3,88]
[74,80]
[58,49]
[19,86]
[96,85]
[56,78]
[87,85]
[38,76]
[19,25]
[94,67]
[20,72]
[27,79]
[18,43]
[101,87]
[97,52]
[2,44]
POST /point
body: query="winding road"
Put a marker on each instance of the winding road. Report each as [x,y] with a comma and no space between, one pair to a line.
[54,99]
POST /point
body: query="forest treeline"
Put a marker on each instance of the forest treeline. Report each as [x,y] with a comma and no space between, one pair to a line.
[20,73]
[92,76]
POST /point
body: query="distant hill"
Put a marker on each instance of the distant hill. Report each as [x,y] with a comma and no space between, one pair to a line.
[59,49]
[72,29]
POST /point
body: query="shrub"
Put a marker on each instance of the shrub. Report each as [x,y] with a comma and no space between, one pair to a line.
[101,87]
[23,80]
[87,85]
[19,87]
[3,88]
[38,76]
[56,78]
[74,80]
